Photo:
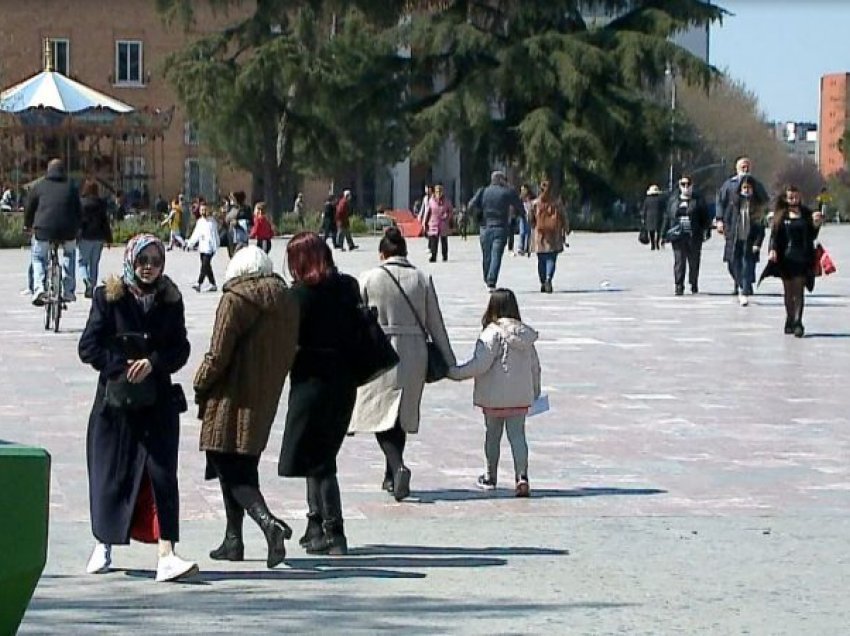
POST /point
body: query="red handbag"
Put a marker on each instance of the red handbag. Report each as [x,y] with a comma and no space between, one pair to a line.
[145,524]
[823,264]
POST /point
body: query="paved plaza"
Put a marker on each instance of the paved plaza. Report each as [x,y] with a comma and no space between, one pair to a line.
[692,476]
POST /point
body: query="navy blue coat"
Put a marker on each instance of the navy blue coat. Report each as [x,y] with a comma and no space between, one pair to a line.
[123,447]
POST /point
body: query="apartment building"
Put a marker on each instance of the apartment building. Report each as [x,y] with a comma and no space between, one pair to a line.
[119,49]
[834,121]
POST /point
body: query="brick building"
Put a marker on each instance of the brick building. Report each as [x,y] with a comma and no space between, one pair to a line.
[119,49]
[834,121]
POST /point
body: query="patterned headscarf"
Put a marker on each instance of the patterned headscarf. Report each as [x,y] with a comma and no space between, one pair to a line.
[134,247]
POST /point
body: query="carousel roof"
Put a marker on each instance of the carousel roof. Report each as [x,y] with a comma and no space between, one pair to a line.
[52,90]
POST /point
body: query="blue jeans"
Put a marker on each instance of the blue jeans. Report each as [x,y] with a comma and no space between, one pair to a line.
[493,241]
[40,250]
[89,261]
[546,262]
[744,268]
[524,235]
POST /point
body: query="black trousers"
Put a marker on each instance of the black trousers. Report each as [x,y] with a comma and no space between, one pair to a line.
[795,298]
[444,245]
[686,255]
[206,269]
[238,475]
[329,231]
[392,443]
[654,237]
[265,245]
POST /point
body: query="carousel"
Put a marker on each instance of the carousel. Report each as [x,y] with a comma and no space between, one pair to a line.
[50,115]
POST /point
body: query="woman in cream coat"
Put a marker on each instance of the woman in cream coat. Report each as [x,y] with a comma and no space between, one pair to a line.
[389,405]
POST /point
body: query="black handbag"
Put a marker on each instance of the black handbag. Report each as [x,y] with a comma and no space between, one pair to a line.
[372,352]
[643,236]
[438,368]
[675,233]
[129,396]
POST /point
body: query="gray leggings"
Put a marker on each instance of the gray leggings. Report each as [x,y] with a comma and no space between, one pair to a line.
[516,436]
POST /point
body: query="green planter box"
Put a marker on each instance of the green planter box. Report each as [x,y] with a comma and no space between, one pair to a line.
[24,502]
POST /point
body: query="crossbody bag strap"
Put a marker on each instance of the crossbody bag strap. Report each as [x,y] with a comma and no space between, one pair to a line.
[407,299]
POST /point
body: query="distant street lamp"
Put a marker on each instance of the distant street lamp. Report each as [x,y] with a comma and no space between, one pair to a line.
[668,72]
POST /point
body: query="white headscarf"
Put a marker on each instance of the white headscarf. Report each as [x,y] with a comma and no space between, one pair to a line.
[249,260]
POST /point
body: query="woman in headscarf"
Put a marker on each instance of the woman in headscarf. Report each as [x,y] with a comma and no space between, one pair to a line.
[135,338]
[238,387]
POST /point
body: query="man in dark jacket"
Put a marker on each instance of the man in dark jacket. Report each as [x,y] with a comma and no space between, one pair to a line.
[493,206]
[328,220]
[53,214]
[688,214]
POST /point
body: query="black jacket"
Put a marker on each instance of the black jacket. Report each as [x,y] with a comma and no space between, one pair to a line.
[95,222]
[53,208]
[322,387]
[731,222]
[697,211]
[652,213]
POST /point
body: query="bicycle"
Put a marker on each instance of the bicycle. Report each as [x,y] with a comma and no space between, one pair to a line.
[53,302]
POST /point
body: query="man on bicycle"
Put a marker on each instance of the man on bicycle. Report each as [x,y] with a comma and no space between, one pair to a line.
[53,213]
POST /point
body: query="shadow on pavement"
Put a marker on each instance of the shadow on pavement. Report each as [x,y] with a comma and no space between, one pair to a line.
[298,571]
[827,335]
[364,560]
[436,550]
[458,494]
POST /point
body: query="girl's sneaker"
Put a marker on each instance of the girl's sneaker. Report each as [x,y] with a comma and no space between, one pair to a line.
[522,489]
[485,482]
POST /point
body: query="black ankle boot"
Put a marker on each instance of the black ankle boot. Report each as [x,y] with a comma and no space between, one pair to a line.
[313,532]
[276,532]
[789,326]
[332,542]
[231,549]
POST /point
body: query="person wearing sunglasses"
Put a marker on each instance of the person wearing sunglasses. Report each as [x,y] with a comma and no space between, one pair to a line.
[686,226]
[135,338]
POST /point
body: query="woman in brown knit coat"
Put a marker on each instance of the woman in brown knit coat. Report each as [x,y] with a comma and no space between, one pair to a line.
[238,387]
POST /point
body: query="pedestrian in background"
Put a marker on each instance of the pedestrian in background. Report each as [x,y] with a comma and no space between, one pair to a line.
[205,237]
[437,221]
[652,215]
[238,387]
[527,199]
[174,221]
[328,220]
[135,338]
[343,222]
[262,229]
[742,225]
[506,369]
[298,209]
[550,227]
[95,231]
[493,206]
[793,232]
[687,224]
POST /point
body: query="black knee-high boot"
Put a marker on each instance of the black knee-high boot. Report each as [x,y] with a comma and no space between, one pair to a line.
[275,530]
[314,514]
[333,539]
[232,548]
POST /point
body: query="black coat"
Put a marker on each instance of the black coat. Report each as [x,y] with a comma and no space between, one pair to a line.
[322,389]
[652,213]
[698,213]
[95,222]
[732,225]
[779,243]
[122,446]
[53,208]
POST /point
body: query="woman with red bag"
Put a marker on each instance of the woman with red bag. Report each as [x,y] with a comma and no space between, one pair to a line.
[792,251]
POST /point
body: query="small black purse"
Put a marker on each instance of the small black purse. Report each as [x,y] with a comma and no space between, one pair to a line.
[438,368]
[129,396]
[373,353]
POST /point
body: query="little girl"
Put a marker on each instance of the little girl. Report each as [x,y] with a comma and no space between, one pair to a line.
[507,381]
[205,238]
[262,230]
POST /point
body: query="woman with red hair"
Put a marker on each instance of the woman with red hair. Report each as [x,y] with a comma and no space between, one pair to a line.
[322,387]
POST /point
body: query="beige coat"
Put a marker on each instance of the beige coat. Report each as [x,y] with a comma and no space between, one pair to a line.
[550,241]
[239,382]
[397,393]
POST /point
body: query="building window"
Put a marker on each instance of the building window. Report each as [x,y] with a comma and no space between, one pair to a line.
[190,134]
[133,176]
[200,179]
[60,51]
[128,62]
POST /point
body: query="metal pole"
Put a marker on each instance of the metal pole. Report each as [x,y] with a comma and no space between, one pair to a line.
[672,127]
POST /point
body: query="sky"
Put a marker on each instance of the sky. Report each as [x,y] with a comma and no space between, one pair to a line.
[780,49]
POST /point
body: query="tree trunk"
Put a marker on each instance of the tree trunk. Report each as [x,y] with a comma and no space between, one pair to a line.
[271,170]
[359,190]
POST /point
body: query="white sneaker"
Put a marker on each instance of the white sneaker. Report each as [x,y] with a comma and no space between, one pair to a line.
[171,568]
[100,559]
[743,300]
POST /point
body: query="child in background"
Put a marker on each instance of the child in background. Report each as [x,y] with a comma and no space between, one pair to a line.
[507,381]
[262,230]
[205,237]
[174,222]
